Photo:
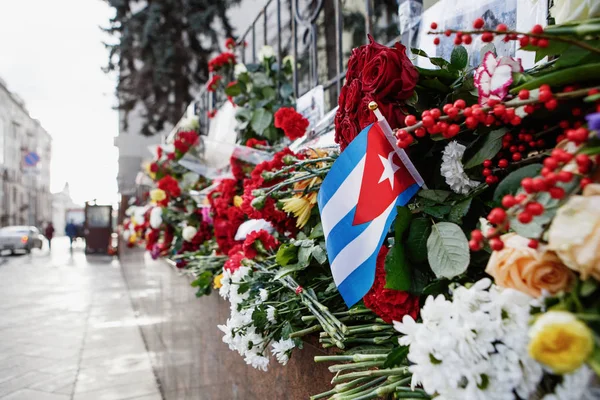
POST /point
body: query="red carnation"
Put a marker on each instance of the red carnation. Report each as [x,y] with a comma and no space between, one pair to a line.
[213,84]
[234,262]
[258,241]
[153,167]
[390,305]
[230,43]
[211,113]
[293,124]
[184,140]
[223,59]
[170,186]
[252,142]
[151,238]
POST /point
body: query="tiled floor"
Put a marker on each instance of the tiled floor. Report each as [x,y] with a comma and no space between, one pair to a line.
[68,330]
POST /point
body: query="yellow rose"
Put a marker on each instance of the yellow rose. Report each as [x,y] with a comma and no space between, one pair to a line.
[575,233]
[157,195]
[574,10]
[560,341]
[151,174]
[528,270]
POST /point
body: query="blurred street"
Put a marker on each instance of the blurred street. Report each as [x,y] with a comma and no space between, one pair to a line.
[68,329]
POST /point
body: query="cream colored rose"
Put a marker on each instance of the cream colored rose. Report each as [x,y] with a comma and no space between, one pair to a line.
[528,270]
[575,233]
[574,10]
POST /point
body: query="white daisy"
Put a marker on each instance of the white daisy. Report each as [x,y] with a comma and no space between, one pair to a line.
[282,349]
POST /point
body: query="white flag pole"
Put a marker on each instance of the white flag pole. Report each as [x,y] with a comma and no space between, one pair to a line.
[389,134]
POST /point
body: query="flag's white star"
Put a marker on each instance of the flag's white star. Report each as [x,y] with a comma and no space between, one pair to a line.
[389,168]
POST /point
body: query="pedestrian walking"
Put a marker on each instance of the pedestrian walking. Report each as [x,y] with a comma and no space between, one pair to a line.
[71,232]
[49,234]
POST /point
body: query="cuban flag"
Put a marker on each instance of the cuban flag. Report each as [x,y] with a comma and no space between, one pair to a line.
[358,200]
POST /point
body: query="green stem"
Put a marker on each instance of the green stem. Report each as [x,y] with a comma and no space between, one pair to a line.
[353,358]
[307,331]
[358,365]
[373,373]
[359,389]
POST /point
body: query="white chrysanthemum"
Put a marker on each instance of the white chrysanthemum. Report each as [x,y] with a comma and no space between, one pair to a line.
[188,233]
[452,169]
[156,217]
[266,52]
[282,349]
[271,314]
[189,123]
[257,361]
[474,346]
[239,69]
[263,294]
[574,386]
[225,284]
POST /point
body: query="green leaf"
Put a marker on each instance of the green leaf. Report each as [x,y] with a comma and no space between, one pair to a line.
[397,270]
[459,57]
[419,52]
[512,182]
[259,318]
[320,255]
[575,55]
[316,232]
[567,76]
[594,360]
[396,357]
[588,287]
[261,80]
[491,144]
[288,270]
[243,114]
[286,254]
[261,120]
[459,210]
[252,67]
[592,99]
[286,90]
[447,250]
[203,280]
[437,211]
[416,243]
[439,196]
[269,93]
[304,255]
[439,62]
[233,90]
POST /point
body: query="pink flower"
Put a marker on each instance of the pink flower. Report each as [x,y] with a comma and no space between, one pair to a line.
[494,77]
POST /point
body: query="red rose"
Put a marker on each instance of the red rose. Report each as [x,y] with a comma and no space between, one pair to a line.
[356,63]
[293,124]
[354,96]
[252,142]
[364,114]
[390,305]
[390,73]
[394,113]
[213,84]
[345,131]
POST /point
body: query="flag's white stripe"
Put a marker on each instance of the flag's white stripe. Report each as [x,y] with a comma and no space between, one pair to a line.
[344,199]
[361,248]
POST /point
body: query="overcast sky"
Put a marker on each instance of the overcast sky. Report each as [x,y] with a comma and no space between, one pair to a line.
[51,54]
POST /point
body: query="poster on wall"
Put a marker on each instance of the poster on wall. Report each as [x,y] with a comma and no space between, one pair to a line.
[312,106]
[460,14]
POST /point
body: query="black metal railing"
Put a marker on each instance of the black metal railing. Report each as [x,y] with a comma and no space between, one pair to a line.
[312,32]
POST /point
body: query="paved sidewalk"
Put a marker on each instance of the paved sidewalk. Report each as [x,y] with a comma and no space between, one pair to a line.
[68,330]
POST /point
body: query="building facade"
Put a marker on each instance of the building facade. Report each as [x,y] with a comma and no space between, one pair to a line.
[25,153]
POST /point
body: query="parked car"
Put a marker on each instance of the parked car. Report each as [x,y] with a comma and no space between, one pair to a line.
[25,238]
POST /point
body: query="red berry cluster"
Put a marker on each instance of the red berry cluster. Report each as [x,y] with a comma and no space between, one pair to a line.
[533,38]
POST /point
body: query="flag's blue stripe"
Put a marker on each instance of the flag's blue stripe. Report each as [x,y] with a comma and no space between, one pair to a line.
[344,164]
[358,283]
[342,234]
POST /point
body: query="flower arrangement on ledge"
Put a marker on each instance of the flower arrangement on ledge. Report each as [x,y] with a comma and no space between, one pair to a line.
[487,285]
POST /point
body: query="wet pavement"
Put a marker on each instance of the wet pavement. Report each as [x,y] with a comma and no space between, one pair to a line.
[68,330]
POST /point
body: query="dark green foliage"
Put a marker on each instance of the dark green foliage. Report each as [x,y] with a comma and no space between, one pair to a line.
[161,54]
